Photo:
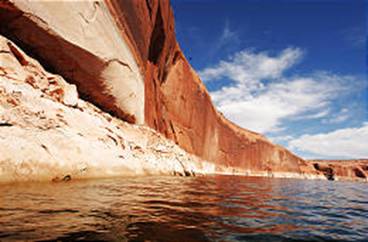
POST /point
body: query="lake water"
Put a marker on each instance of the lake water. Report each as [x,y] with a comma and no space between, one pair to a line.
[215,208]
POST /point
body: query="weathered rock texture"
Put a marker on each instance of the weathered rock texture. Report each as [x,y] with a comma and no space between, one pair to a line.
[123,56]
[177,103]
[48,133]
[80,41]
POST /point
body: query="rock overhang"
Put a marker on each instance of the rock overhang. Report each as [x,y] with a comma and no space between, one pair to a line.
[71,39]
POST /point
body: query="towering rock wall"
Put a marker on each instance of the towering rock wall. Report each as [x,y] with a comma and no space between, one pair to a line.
[48,133]
[178,105]
[123,56]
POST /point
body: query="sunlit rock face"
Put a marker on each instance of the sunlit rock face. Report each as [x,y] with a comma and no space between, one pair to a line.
[122,56]
[177,103]
[48,133]
[80,41]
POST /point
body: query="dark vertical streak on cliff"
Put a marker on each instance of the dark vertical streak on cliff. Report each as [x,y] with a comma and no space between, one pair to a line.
[157,39]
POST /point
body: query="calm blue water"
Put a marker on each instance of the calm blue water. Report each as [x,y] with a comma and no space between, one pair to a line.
[218,208]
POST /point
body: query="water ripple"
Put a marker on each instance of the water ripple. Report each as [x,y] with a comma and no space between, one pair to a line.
[214,208]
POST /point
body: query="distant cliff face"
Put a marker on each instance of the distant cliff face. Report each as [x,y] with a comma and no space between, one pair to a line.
[342,169]
[123,57]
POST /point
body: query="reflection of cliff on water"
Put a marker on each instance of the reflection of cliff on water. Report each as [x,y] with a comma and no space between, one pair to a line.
[184,209]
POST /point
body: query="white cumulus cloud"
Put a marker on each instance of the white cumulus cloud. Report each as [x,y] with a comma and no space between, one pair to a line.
[249,68]
[345,143]
[260,96]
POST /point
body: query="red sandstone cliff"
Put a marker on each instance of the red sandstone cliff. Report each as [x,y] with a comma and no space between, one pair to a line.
[123,56]
[178,105]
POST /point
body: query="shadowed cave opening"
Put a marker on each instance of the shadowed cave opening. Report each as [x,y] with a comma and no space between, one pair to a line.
[328,172]
[359,173]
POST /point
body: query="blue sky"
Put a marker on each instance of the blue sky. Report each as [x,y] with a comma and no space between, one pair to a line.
[294,70]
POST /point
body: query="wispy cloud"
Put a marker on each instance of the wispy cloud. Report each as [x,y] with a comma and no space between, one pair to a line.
[341,143]
[355,36]
[339,117]
[228,37]
[280,139]
[313,115]
[261,96]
